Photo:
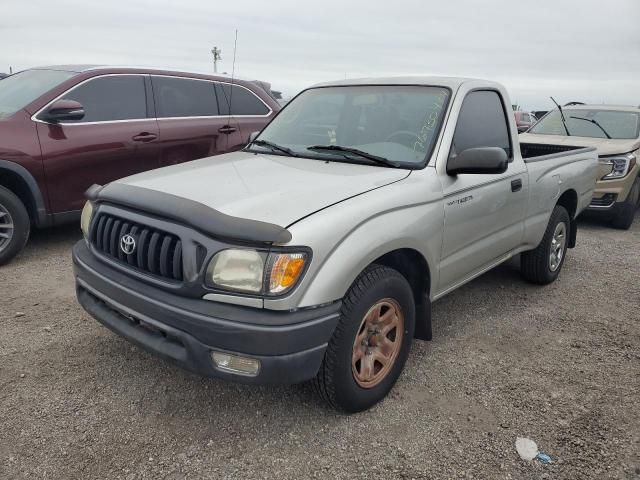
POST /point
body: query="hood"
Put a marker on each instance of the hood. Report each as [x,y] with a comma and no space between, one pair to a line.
[267,188]
[604,146]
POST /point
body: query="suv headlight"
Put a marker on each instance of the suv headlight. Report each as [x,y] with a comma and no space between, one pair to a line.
[620,166]
[257,272]
[85,218]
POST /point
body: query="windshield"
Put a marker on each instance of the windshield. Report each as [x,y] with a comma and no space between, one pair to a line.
[616,123]
[19,90]
[356,123]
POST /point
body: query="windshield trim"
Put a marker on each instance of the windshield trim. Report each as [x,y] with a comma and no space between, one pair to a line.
[402,165]
[577,111]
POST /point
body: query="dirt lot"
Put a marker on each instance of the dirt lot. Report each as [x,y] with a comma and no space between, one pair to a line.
[558,364]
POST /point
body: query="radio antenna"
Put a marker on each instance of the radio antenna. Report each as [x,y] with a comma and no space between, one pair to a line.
[233,72]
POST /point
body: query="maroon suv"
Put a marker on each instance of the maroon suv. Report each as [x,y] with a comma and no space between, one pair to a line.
[63,129]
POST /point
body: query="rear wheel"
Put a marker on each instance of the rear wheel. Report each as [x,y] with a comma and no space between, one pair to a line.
[543,264]
[627,210]
[371,343]
[14,225]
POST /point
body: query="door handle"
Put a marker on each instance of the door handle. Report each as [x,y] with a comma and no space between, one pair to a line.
[516,185]
[227,129]
[144,137]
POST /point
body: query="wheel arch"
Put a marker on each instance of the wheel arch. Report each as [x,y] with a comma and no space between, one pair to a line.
[413,266]
[18,179]
[569,200]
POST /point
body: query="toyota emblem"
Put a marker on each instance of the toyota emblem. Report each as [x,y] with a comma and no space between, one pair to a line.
[127,244]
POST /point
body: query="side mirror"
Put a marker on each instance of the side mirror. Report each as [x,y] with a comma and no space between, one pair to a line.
[478,160]
[61,110]
[252,136]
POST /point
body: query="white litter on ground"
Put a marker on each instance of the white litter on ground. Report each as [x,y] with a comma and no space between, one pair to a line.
[527,448]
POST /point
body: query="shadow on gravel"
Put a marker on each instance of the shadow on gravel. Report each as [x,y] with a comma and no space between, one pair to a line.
[55,236]
[597,222]
[48,243]
[156,386]
[160,388]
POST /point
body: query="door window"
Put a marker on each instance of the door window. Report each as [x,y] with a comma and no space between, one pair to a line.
[243,101]
[482,123]
[109,98]
[184,97]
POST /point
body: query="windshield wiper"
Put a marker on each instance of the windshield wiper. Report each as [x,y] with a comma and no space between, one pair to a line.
[564,121]
[590,120]
[273,146]
[354,151]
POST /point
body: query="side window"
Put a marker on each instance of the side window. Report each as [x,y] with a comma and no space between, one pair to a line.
[482,123]
[184,97]
[243,101]
[117,97]
[526,118]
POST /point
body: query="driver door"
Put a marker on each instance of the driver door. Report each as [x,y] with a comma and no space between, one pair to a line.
[484,213]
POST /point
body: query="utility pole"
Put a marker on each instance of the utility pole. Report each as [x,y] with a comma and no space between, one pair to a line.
[216,56]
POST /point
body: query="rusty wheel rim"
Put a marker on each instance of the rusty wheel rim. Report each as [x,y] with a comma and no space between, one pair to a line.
[378,343]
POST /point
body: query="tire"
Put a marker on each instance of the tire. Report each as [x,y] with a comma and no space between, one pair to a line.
[537,265]
[12,212]
[342,380]
[627,209]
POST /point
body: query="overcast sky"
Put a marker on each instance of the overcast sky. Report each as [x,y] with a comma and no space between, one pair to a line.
[586,50]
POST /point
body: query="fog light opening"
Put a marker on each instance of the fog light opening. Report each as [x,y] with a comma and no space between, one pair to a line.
[236,364]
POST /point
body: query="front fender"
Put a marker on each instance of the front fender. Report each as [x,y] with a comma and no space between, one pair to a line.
[417,228]
[348,236]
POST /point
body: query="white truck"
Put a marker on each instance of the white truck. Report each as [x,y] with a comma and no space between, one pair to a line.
[316,252]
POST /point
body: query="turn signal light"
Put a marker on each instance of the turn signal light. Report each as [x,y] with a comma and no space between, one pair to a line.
[285,271]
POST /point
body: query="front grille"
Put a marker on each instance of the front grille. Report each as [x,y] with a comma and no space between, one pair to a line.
[606,200]
[155,252]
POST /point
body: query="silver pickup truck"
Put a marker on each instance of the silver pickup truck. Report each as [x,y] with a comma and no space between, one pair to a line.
[316,252]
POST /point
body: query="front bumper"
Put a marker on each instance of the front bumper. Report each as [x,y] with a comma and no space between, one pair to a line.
[289,345]
[603,202]
[610,195]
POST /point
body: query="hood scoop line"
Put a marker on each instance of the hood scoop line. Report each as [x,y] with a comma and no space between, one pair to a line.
[187,212]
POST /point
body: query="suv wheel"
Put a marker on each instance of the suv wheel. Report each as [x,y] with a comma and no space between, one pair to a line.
[542,265]
[371,343]
[627,209]
[14,225]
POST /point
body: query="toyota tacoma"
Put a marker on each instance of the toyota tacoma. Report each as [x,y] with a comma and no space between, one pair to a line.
[316,252]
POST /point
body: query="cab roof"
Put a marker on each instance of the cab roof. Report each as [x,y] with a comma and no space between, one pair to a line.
[425,80]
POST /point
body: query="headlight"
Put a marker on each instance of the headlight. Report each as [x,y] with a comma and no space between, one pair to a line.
[620,166]
[253,271]
[240,270]
[85,218]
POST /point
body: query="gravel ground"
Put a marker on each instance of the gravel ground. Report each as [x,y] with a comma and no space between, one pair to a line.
[558,364]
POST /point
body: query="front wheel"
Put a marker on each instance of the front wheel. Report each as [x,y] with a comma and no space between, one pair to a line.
[14,225]
[627,210]
[542,265]
[371,342]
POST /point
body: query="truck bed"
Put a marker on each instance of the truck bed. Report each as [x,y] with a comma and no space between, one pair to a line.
[532,152]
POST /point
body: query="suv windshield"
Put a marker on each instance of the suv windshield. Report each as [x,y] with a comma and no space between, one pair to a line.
[19,90]
[617,124]
[385,125]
